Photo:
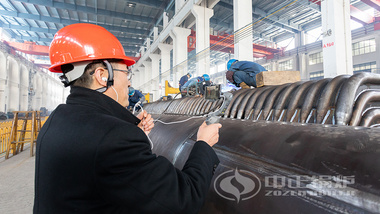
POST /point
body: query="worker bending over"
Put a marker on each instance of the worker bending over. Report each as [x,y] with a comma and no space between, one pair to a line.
[183,80]
[135,96]
[243,73]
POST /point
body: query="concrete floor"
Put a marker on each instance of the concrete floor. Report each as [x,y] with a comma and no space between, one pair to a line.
[17,183]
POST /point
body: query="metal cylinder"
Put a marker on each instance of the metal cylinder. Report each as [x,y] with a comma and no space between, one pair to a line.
[274,167]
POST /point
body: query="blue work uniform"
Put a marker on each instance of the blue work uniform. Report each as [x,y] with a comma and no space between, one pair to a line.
[192,82]
[182,81]
[135,98]
[245,71]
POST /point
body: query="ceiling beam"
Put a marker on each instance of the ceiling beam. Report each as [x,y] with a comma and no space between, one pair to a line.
[127,47]
[373,3]
[360,16]
[90,10]
[68,21]
[153,4]
[130,41]
[28,28]
[258,13]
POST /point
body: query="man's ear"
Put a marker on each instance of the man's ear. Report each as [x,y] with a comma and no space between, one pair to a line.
[100,75]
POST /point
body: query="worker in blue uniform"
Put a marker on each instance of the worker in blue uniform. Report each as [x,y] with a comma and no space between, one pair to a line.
[243,73]
[135,96]
[196,83]
[183,80]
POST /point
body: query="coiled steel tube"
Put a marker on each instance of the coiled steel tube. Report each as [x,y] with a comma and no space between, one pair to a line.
[364,99]
[347,94]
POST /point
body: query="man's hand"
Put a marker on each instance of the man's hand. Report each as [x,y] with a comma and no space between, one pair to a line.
[146,123]
[209,133]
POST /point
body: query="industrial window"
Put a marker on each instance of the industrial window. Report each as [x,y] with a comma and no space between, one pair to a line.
[286,65]
[363,47]
[366,67]
[316,75]
[267,67]
[315,58]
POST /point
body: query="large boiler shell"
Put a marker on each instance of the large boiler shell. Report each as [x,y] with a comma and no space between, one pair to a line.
[280,167]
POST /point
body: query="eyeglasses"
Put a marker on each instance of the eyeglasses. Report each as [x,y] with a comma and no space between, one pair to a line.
[128,72]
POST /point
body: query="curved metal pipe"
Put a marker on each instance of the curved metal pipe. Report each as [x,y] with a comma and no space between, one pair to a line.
[283,99]
[329,96]
[172,106]
[207,107]
[191,105]
[181,105]
[296,99]
[201,106]
[260,102]
[311,98]
[363,100]
[217,105]
[347,95]
[244,103]
[249,102]
[271,99]
[204,107]
[185,105]
[238,103]
[196,105]
[236,95]
[370,116]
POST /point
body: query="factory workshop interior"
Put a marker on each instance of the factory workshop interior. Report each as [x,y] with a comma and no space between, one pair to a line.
[304,138]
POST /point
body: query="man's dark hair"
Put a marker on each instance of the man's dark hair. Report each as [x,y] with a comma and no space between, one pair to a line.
[86,79]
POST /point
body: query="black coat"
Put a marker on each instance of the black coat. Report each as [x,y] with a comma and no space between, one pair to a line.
[92,158]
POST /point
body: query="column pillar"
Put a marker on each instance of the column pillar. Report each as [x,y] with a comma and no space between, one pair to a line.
[243,48]
[155,33]
[202,16]
[179,36]
[337,41]
[165,19]
[141,77]
[155,75]
[165,65]
[147,76]
[147,43]
[136,77]
[377,40]
[142,50]
[301,63]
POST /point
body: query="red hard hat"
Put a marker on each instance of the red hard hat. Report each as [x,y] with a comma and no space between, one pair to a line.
[84,42]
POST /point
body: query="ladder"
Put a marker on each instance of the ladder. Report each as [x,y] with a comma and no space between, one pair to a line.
[23,122]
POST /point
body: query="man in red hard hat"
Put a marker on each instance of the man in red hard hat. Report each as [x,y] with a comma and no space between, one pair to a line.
[93,155]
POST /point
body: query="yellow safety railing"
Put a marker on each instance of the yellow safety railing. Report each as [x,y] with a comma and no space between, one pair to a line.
[5,131]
